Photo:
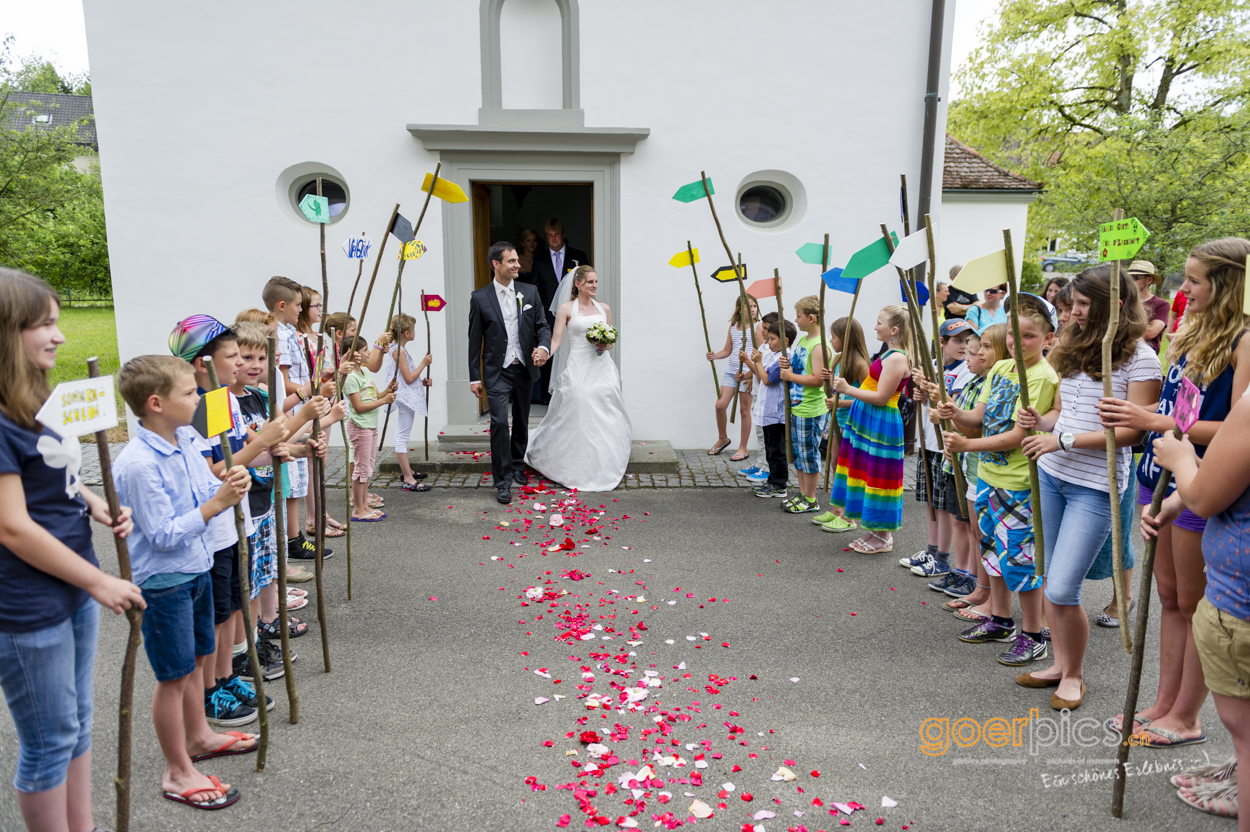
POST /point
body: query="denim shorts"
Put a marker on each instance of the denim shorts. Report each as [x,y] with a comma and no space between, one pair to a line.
[1077,521]
[226,593]
[47,680]
[178,627]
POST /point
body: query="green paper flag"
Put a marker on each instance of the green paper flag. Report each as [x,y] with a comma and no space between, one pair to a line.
[693,191]
[315,208]
[812,253]
[1121,239]
[868,259]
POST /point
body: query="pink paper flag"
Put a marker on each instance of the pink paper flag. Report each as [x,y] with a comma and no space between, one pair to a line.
[1188,404]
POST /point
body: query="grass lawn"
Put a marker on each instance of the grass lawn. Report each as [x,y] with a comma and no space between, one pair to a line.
[88,332]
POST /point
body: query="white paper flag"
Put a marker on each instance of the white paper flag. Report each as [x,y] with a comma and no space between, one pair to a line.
[912,251]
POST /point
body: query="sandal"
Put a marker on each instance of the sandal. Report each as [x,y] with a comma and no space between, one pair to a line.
[718,447]
[737,458]
[972,615]
[228,798]
[416,486]
[839,524]
[1174,740]
[865,548]
[294,603]
[956,604]
[375,501]
[1212,798]
[236,737]
[330,531]
[372,517]
[268,630]
[1214,773]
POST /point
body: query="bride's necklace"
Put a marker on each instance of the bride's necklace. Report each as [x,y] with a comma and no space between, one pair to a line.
[587,311]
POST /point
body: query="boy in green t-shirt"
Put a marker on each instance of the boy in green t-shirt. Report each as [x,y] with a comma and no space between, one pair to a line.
[809,418]
[364,402]
[1004,507]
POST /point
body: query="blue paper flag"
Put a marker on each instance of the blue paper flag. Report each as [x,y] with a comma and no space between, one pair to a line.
[835,281]
[922,292]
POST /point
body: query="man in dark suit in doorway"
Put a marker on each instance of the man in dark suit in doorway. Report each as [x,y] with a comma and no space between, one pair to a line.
[510,338]
[550,267]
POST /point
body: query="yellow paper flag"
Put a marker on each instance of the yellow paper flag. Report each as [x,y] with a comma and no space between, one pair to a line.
[217,409]
[444,190]
[682,258]
[982,272]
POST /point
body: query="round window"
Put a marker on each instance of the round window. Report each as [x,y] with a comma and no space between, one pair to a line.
[762,204]
[330,189]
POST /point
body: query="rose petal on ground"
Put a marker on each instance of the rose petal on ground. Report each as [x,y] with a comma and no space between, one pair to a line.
[700,809]
[785,774]
[763,814]
[539,700]
[887,803]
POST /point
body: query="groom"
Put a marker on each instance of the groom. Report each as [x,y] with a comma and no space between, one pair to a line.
[510,340]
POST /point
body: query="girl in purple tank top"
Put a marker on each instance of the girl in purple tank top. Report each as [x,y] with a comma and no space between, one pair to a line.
[1210,352]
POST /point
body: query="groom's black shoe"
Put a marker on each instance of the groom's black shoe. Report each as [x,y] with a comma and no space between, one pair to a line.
[520,477]
[503,493]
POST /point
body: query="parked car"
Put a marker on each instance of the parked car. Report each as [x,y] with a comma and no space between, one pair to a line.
[1051,262]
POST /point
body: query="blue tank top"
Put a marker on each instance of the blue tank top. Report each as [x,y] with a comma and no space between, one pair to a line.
[1217,400]
[1226,549]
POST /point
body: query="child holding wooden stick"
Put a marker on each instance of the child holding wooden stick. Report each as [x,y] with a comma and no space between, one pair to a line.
[315,344]
[361,392]
[51,586]
[1004,508]
[409,394]
[735,342]
[1211,350]
[772,417]
[869,479]
[846,342]
[809,417]
[757,471]
[1072,467]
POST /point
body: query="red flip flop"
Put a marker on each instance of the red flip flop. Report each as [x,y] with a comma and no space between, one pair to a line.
[228,798]
[235,738]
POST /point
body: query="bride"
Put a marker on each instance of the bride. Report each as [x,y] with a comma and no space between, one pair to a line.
[584,440]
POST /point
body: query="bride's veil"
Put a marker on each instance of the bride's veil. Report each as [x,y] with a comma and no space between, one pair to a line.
[563,295]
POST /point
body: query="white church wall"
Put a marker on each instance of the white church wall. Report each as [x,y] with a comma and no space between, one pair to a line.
[198,115]
[973,225]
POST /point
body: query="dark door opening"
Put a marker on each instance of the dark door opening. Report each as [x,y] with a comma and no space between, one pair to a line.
[505,210]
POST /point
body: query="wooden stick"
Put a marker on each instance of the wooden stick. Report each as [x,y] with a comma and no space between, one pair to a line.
[835,430]
[318,469]
[1139,649]
[279,525]
[126,701]
[960,485]
[244,566]
[338,392]
[428,351]
[703,316]
[785,350]
[747,324]
[364,309]
[846,348]
[1113,484]
[926,363]
[1039,549]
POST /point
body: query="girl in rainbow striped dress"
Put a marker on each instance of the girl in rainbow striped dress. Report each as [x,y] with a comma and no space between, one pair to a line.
[869,479]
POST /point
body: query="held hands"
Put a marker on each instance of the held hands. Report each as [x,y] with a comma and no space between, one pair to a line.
[425,362]
[327,389]
[540,356]
[755,356]
[388,398]
[1170,452]
[384,340]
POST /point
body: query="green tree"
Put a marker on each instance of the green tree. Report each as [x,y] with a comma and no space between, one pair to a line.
[1113,103]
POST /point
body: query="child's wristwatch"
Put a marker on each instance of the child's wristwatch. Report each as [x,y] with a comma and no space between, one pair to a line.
[1066,442]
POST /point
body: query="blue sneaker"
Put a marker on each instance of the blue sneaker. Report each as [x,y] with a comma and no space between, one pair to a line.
[944,582]
[221,707]
[746,472]
[964,586]
[245,692]
[931,568]
[758,476]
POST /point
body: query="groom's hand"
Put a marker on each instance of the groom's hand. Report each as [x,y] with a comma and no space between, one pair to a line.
[475,387]
[540,356]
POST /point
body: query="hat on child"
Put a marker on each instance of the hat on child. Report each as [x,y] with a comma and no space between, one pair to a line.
[1046,306]
[953,326]
[192,335]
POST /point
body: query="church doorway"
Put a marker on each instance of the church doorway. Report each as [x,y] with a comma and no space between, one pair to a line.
[508,210]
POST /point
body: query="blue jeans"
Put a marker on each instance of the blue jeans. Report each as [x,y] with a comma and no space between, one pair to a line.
[178,627]
[1076,521]
[47,680]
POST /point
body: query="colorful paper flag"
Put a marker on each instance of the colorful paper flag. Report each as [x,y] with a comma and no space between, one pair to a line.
[1188,405]
[922,291]
[868,259]
[432,303]
[812,253]
[761,289]
[835,281]
[402,229]
[212,414]
[315,208]
[412,250]
[693,191]
[980,273]
[444,190]
[682,258]
[725,274]
[912,251]
[1121,239]
[358,247]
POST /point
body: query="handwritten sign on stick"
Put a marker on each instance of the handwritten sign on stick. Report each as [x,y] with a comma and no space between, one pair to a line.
[358,246]
[413,250]
[1188,403]
[1121,239]
[77,408]
[315,208]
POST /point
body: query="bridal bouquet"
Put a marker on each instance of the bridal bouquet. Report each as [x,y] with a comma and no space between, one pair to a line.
[601,334]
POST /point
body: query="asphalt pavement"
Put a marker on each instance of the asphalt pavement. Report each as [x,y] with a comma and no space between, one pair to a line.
[834,663]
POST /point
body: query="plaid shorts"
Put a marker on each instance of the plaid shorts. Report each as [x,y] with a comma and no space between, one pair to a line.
[1006,522]
[945,497]
[264,545]
[805,435]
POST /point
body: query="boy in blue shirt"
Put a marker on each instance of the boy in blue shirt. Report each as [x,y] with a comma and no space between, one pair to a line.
[174,494]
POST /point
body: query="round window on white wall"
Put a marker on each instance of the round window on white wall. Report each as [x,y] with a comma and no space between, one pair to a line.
[771,200]
[298,181]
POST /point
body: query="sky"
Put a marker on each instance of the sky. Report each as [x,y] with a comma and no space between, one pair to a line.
[55,30]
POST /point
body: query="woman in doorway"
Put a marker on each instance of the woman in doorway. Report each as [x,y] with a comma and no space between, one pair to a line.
[990,311]
[529,245]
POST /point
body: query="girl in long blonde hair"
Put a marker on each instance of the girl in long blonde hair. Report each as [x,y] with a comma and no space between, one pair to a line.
[869,481]
[734,379]
[1211,351]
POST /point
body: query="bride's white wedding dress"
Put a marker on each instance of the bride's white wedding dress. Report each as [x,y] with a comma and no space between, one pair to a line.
[584,440]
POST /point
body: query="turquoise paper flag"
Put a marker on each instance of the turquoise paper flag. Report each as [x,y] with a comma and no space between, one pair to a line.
[693,191]
[812,253]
